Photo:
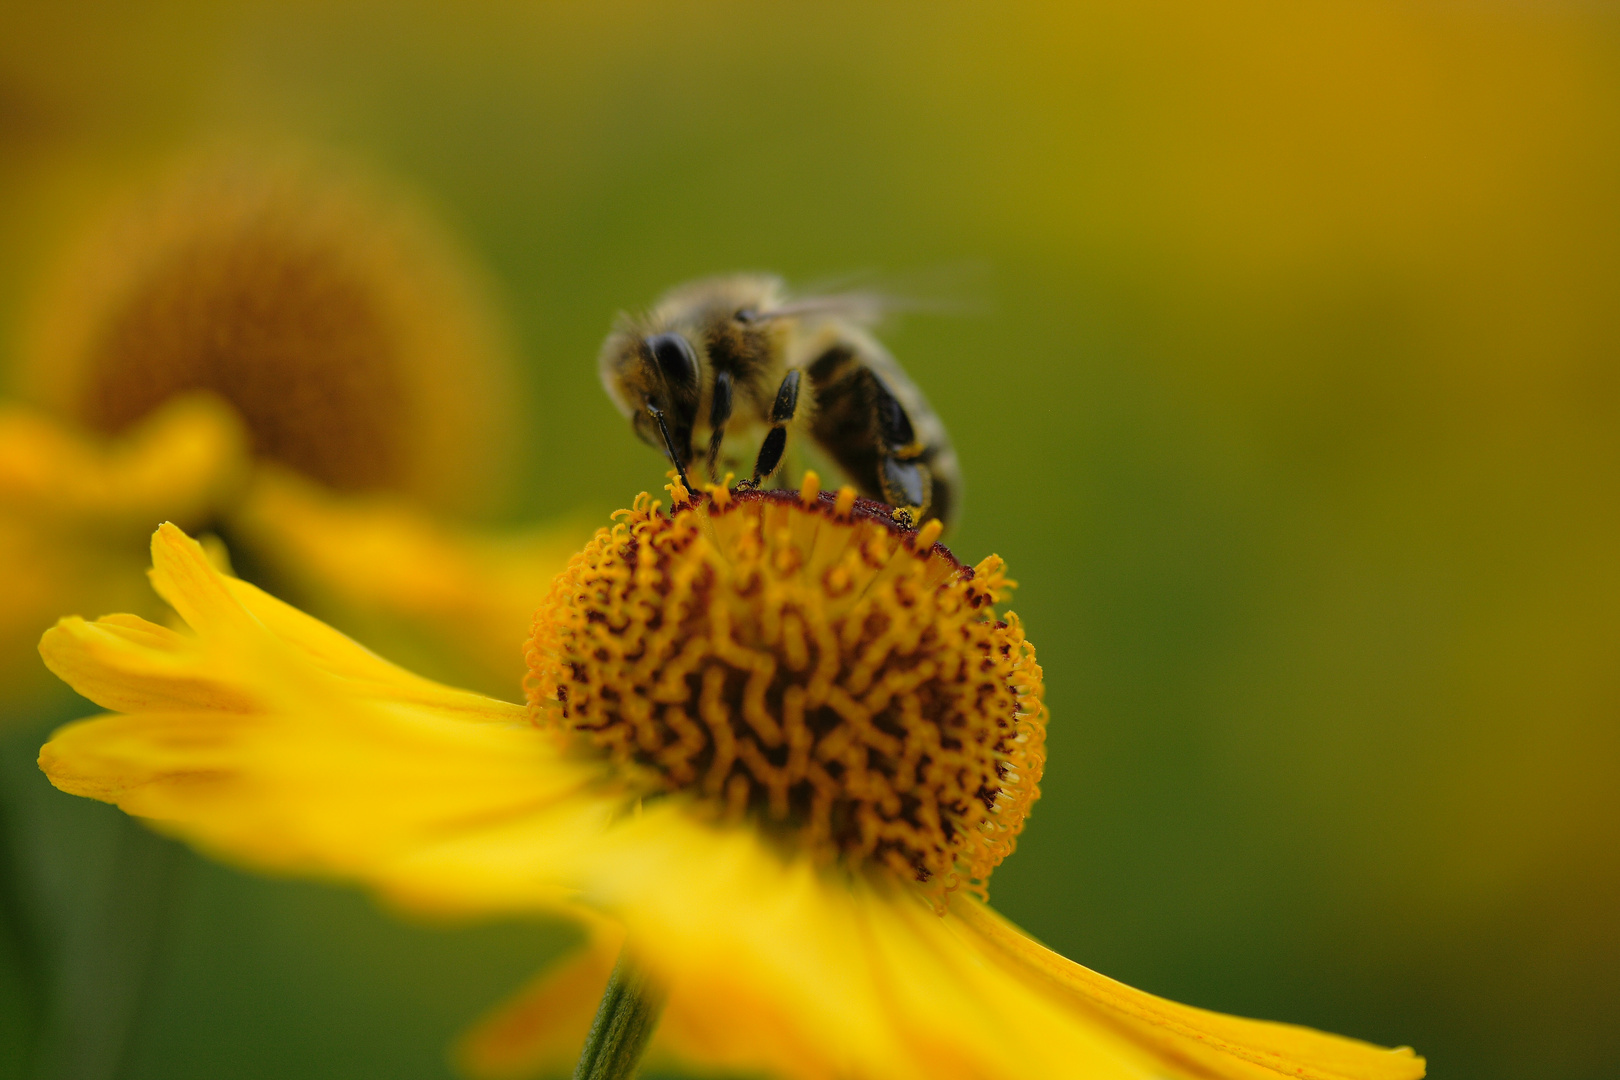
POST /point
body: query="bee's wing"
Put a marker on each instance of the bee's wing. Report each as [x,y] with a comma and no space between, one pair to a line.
[866,298]
[858,308]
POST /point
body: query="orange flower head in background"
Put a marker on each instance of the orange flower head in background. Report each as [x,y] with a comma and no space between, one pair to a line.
[348,332]
[266,347]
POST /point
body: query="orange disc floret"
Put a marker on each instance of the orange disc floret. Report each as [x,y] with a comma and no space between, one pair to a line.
[798,659]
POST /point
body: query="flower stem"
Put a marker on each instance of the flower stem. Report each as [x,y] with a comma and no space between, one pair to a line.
[624,1023]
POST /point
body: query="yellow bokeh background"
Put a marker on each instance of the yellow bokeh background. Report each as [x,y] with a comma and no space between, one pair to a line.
[1288,385]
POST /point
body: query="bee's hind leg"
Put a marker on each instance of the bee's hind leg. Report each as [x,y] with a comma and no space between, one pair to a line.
[906,480]
[782,413]
[908,486]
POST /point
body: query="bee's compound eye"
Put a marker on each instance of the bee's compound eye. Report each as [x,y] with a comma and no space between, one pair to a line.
[746,315]
[675,358]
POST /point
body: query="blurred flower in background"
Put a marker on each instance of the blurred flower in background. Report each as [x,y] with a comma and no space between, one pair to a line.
[259,346]
[1300,387]
[332,316]
[71,504]
[318,319]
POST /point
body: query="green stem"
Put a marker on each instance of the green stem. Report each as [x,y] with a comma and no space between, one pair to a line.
[624,1023]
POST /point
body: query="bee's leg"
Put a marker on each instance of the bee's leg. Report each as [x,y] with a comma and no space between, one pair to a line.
[908,483]
[782,412]
[908,486]
[719,413]
[669,445]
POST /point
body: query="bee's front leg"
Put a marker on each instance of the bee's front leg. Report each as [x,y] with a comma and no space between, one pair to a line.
[675,455]
[782,413]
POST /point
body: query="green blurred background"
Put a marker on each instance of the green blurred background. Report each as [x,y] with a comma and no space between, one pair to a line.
[1294,405]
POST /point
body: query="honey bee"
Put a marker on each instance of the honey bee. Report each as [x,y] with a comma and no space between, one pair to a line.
[731,356]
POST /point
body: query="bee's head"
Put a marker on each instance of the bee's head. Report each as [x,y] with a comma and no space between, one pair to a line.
[651,375]
[658,364]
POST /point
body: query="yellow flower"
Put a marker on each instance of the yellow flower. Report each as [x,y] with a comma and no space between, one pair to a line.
[773,745]
[265,349]
[349,334]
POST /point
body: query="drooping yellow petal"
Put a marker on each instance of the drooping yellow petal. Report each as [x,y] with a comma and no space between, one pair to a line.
[212,602]
[767,959]
[799,953]
[1222,1044]
[538,1031]
[301,753]
[406,579]
[125,663]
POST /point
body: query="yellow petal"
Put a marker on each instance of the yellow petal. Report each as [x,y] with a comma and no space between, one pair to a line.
[1222,1044]
[125,663]
[75,511]
[305,752]
[405,578]
[540,1030]
[182,461]
[198,591]
[799,973]
[766,958]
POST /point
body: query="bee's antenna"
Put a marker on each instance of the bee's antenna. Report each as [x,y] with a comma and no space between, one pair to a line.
[669,445]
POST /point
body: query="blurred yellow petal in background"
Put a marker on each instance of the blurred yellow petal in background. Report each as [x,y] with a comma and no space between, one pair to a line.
[346,349]
[255,339]
[456,598]
[266,738]
[73,507]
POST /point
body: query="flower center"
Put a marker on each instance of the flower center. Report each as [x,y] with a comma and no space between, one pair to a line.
[800,660]
[280,327]
[331,316]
